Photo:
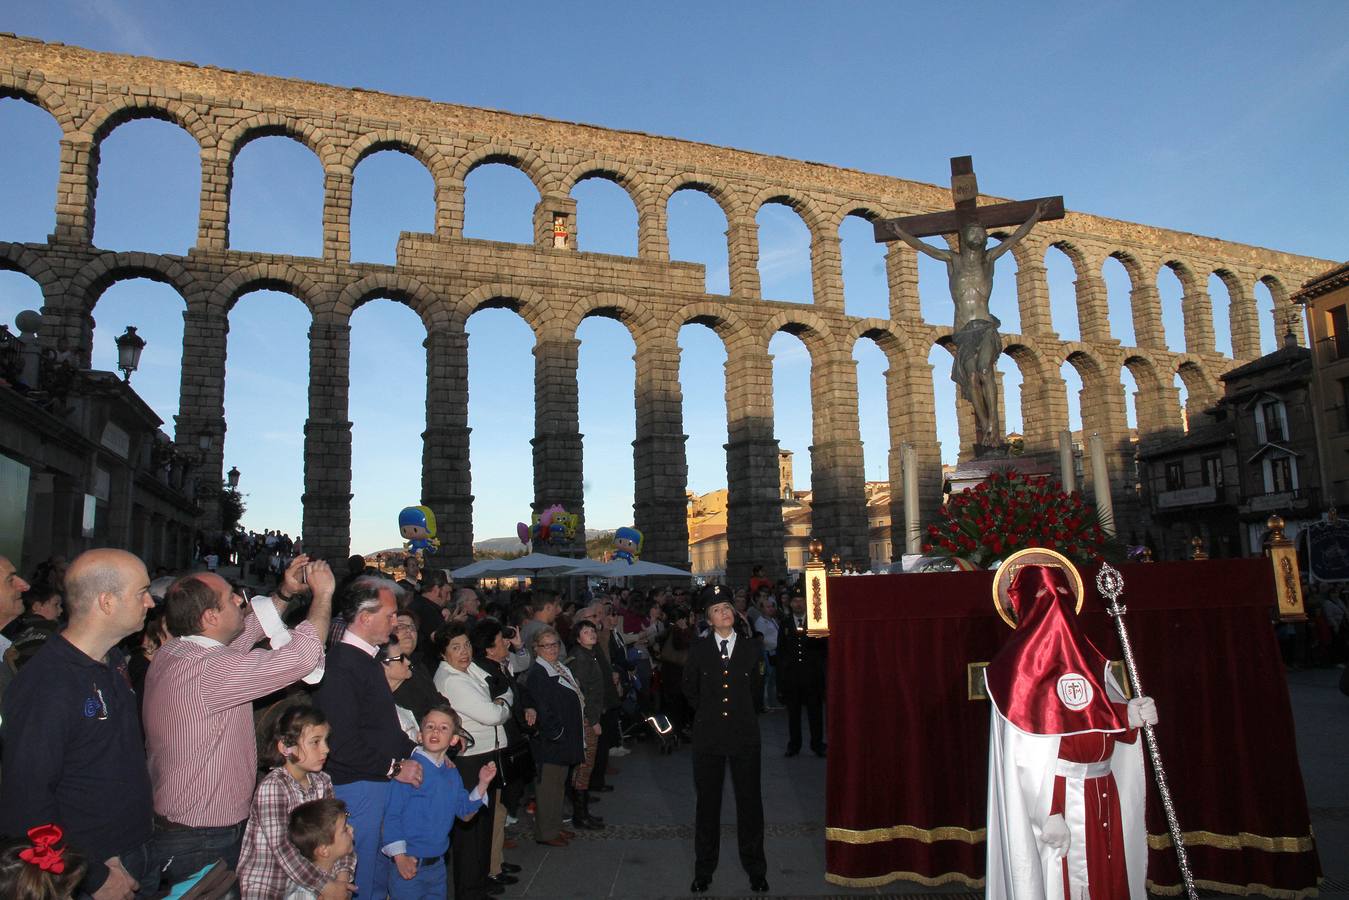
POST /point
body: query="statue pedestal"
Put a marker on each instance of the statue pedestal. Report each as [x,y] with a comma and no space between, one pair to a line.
[1030,465]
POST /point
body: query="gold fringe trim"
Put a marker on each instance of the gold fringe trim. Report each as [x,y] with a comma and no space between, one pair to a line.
[878,880]
[1240,841]
[1175,890]
[905,833]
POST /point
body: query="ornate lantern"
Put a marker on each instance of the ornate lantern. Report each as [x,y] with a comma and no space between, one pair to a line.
[129,347]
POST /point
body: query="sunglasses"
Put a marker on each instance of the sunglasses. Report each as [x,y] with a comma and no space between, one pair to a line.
[393,659]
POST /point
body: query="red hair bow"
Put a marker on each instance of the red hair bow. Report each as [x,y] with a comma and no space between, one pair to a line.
[44,853]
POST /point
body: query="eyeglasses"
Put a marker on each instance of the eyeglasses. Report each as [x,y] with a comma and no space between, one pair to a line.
[548,645]
[394,659]
[404,626]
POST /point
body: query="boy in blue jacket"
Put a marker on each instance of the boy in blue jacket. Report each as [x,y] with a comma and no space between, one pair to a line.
[417,821]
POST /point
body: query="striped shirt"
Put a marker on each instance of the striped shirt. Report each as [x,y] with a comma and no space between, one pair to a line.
[198,714]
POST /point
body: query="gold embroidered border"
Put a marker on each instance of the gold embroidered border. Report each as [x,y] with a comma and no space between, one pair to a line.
[878,880]
[1175,890]
[905,833]
[1241,841]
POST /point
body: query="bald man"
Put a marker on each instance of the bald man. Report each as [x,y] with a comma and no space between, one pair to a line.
[73,751]
[11,605]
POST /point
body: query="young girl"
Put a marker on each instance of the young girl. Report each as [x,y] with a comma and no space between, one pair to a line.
[39,867]
[269,861]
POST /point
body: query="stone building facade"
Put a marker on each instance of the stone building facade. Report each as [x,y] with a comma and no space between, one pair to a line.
[445,278]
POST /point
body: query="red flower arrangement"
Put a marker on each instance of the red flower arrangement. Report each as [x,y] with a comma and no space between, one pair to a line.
[1010,512]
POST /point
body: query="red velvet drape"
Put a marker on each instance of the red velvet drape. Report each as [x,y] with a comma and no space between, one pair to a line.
[908,751]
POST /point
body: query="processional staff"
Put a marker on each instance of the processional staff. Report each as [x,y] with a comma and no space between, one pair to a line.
[1110,584]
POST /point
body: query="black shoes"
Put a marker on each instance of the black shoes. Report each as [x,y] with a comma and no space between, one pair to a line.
[792,751]
[503,879]
[700,885]
[759,885]
[510,868]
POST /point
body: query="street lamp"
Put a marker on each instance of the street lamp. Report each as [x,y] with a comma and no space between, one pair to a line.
[129,347]
[233,477]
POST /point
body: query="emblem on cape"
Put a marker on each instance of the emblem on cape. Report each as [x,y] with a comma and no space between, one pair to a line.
[1074,691]
[1031,556]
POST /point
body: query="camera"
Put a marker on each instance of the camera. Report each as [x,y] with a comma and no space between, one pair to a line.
[508,632]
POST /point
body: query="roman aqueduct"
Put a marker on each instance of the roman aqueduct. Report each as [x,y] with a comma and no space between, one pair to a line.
[445,277]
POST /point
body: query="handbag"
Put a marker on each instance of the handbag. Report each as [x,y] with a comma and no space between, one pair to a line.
[515,762]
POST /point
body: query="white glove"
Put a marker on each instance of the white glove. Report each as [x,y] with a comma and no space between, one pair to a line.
[1055,835]
[1142,711]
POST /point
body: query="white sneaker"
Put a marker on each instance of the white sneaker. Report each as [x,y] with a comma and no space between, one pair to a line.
[510,819]
[619,751]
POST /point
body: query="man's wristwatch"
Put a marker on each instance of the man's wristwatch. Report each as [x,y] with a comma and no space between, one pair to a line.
[395,769]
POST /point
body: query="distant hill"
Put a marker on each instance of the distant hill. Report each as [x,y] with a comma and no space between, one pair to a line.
[512,544]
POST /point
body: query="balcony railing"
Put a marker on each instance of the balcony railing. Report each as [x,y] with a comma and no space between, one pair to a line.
[1331,349]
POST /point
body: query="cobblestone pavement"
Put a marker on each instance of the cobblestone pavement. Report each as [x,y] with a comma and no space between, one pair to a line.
[647,850]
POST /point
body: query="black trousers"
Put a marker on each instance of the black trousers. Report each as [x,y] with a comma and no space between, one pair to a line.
[709,774]
[809,694]
[471,841]
[610,728]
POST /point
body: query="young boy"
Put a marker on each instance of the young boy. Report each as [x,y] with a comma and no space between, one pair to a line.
[319,830]
[417,821]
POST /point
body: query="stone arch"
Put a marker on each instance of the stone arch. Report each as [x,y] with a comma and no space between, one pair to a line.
[620,173]
[403,142]
[1276,288]
[267,276]
[726,198]
[802,205]
[812,329]
[1133,267]
[867,210]
[519,299]
[102,121]
[635,317]
[39,93]
[404,289]
[107,268]
[895,342]
[1044,409]
[734,331]
[525,160]
[1199,383]
[27,261]
[275,124]
[1189,281]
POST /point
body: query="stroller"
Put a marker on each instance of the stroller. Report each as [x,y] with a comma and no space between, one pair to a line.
[660,726]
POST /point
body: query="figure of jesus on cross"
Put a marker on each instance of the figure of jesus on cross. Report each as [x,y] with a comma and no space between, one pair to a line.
[970,271]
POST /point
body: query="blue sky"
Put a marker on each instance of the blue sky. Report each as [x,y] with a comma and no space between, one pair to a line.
[1224,119]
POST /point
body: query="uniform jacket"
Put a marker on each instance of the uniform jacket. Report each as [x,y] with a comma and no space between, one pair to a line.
[559,739]
[724,720]
[801,659]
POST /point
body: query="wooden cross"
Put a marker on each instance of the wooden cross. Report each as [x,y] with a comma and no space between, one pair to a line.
[965,195]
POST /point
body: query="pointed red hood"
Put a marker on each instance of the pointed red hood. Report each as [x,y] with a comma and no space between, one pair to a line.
[1049,678]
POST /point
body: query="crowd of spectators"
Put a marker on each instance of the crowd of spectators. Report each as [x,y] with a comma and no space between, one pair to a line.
[314,739]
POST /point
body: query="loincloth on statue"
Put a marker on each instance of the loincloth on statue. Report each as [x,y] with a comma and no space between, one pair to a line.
[971,341]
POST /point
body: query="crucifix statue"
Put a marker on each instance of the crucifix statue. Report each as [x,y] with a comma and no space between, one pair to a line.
[970,270]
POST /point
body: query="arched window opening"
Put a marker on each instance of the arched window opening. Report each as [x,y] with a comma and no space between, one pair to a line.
[1221,301]
[702,380]
[784,254]
[1183,396]
[792,405]
[501,416]
[499,202]
[1171,296]
[1062,280]
[606,219]
[934,292]
[1013,420]
[697,232]
[149,188]
[387,409]
[1130,397]
[18,292]
[1072,384]
[156,311]
[866,288]
[1002,299]
[266,405]
[873,409]
[606,374]
[944,394]
[1119,288]
[391,192]
[1271,335]
[31,145]
[276,198]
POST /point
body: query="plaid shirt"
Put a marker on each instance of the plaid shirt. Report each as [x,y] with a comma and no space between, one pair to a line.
[269,862]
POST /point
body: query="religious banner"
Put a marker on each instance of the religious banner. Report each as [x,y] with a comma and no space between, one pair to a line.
[908,746]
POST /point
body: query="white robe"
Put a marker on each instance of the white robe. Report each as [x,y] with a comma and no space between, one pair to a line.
[1021,772]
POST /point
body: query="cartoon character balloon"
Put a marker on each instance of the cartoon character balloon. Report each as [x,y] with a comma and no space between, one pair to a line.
[553,526]
[627,544]
[417,524]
